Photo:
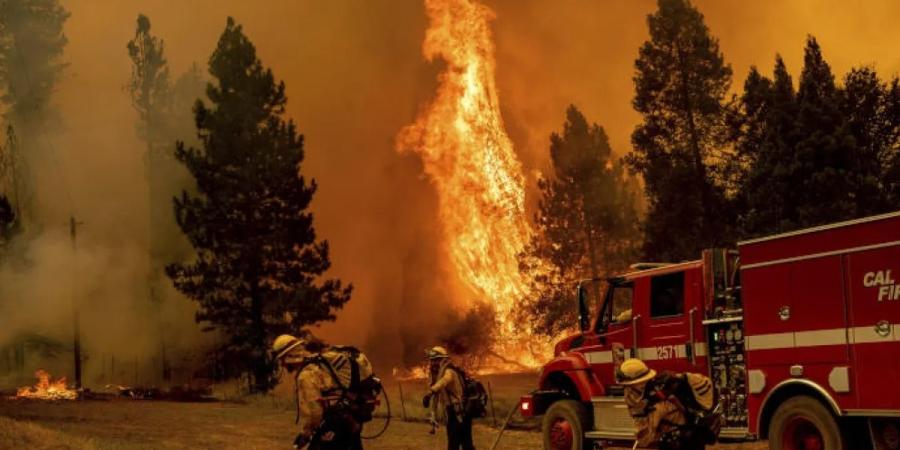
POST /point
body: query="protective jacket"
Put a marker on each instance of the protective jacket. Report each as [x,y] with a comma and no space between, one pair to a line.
[320,385]
[660,408]
[448,390]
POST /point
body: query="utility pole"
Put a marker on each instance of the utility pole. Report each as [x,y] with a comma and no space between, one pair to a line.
[76,322]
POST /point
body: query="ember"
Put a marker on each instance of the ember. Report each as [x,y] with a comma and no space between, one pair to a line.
[47,388]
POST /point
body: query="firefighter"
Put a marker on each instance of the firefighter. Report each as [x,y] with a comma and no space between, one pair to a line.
[670,411]
[325,421]
[445,398]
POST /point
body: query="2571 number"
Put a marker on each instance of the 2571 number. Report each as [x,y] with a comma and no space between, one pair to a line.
[666,352]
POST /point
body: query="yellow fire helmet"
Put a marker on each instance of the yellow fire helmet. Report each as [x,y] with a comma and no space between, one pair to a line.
[437,352]
[284,344]
[634,371]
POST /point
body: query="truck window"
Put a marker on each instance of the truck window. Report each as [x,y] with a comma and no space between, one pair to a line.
[617,305]
[622,297]
[667,295]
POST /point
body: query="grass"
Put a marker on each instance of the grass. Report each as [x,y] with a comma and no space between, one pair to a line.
[240,422]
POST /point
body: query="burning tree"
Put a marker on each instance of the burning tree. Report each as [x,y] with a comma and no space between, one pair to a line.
[257,261]
[586,224]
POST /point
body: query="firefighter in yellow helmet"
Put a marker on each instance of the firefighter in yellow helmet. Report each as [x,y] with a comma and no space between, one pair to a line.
[324,425]
[445,398]
[670,411]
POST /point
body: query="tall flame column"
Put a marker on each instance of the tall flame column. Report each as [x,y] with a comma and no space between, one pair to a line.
[469,158]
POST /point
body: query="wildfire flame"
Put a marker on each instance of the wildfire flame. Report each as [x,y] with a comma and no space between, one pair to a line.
[47,389]
[470,159]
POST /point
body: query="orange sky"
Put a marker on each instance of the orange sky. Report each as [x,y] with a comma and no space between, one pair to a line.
[355,76]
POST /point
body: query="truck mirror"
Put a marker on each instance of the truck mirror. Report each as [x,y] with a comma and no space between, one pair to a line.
[584,318]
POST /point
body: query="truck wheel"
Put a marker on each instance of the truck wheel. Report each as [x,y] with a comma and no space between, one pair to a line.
[563,426]
[803,423]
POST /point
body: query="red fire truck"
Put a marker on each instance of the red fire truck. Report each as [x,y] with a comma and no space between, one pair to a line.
[800,333]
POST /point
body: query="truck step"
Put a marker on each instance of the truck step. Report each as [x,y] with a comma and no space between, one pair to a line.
[611,419]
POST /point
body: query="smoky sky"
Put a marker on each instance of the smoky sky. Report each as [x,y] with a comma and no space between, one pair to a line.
[355,76]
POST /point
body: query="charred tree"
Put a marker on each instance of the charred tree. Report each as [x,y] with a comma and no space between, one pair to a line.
[257,263]
[586,224]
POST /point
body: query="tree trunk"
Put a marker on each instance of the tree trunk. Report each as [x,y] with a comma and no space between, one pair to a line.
[258,344]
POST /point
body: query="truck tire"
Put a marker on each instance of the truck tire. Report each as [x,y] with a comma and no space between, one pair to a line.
[564,425]
[803,423]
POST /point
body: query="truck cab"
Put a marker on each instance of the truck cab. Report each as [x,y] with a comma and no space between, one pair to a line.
[654,312]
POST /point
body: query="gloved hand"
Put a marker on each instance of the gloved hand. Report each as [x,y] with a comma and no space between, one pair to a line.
[426,400]
[300,441]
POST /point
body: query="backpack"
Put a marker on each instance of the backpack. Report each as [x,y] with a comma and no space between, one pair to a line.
[359,386]
[693,395]
[475,397]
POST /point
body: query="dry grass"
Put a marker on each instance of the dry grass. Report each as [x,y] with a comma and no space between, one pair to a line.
[243,423]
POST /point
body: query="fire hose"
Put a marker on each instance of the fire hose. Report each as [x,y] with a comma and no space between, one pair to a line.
[387,421]
[505,424]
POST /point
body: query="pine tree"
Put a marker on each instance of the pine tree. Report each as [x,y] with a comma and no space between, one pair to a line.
[586,224]
[258,262]
[31,48]
[164,112]
[872,110]
[764,138]
[821,142]
[680,85]
[826,163]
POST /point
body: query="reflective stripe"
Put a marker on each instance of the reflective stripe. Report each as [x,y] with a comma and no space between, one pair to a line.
[837,336]
[816,338]
[598,357]
[867,335]
[646,353]
[770,341]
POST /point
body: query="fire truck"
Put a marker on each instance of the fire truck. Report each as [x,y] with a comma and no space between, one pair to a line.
[799,332]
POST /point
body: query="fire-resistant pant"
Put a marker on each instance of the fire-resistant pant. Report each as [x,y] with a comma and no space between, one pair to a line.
[459,433]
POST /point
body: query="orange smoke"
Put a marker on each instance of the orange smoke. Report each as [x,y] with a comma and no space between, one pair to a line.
[470,159]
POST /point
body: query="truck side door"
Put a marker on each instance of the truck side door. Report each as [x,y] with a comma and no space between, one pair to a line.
[873,278]
[614,333]
[664,332]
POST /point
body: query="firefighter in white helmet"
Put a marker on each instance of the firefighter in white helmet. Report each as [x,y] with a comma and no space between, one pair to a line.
[445,398]
[670,411]
[324,423]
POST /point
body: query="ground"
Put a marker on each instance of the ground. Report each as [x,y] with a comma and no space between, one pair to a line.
[240,423]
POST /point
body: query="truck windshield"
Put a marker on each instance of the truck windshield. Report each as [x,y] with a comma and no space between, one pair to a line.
[618,304]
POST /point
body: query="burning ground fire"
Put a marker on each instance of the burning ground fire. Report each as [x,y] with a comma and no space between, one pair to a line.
[47,389]
[470,160]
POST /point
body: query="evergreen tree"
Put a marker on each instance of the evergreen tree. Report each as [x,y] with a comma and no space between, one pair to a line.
[826,160]
[31,47]
[872,111]
[149,86]
[680,85]
[258,262]
[586,224]
[165,116]
[765,135]
[820,154]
